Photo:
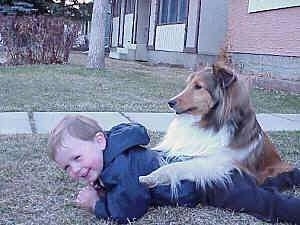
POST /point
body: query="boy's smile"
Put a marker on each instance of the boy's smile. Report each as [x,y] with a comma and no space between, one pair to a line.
[82,159]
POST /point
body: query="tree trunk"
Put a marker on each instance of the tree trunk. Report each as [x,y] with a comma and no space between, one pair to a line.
[96,43]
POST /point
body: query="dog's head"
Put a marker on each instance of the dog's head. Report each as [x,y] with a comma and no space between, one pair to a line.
[204,91]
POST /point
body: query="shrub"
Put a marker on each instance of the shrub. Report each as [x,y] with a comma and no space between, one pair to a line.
[37,39]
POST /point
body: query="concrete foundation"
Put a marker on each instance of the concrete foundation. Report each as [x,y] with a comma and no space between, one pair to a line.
[272,66]
[187,60]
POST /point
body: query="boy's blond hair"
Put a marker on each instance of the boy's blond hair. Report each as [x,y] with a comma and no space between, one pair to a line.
[77,126]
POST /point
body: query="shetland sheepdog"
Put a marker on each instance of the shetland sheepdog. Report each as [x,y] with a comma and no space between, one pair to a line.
[216,127]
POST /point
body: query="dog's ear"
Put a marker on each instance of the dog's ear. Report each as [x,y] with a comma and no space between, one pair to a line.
[199,66]
[190,77]
[224,75]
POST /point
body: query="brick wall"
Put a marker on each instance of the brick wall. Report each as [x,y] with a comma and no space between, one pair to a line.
[275,32]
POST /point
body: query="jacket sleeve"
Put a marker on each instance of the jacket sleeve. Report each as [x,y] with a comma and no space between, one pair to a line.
[126,201]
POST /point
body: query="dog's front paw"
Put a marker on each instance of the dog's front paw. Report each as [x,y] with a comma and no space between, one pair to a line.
[148,180]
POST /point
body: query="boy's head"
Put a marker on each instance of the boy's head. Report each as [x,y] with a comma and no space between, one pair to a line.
[76,144]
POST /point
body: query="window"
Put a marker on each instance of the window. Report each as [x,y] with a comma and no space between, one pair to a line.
[262,5]
[116,7]
[130,4]
[172,11]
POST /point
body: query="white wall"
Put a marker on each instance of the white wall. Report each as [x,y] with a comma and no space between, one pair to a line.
[191,38]
[154,5]
[115,34]
[213,26]
[170,37]
[128,30]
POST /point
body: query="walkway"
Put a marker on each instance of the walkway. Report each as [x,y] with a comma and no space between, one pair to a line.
[42,122]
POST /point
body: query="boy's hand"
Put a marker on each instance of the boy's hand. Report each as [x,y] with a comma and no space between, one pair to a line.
[87,198]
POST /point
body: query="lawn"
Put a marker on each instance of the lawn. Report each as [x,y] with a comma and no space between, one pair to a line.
[123,86]
[34,191]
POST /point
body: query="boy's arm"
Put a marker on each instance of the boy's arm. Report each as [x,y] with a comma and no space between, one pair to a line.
[124,202]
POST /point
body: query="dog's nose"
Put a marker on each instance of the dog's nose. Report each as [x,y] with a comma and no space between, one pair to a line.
[172,103]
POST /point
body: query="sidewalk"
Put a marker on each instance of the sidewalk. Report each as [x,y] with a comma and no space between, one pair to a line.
[42,122]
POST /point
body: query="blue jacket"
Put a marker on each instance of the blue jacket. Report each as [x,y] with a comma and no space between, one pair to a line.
[125,159]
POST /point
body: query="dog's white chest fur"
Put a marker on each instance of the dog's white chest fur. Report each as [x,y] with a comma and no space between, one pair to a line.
[185,137]
[212,159]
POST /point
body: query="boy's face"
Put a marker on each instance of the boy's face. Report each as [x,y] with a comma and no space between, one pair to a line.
[82,159]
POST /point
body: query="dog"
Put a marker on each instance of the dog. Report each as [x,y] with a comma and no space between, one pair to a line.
[216,127]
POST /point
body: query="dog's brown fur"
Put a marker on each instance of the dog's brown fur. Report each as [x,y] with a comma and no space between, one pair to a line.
[222,99]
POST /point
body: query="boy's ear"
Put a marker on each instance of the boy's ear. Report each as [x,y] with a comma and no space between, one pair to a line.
[224,75]
[101,140]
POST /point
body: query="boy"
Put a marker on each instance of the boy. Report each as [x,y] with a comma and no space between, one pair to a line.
[111,162]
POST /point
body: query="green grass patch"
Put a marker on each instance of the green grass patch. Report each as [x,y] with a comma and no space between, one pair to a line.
[271,101]
[122,86]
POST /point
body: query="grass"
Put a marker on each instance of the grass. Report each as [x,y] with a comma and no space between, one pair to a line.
[34,191]
[123,86]
[270,101]
[69,88]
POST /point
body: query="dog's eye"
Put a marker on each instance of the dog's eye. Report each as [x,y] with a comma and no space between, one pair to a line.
[197,86]
[77,157]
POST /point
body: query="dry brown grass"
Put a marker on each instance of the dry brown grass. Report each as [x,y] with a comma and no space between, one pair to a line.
[34,191]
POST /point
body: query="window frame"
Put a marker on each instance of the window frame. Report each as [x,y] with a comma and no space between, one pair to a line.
[131,9]
[178,20]
[116,8]
[264,5]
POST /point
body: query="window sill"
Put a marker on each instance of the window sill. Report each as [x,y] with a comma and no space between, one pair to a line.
[174,23]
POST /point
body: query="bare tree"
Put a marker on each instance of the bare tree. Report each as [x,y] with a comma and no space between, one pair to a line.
[96,43]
